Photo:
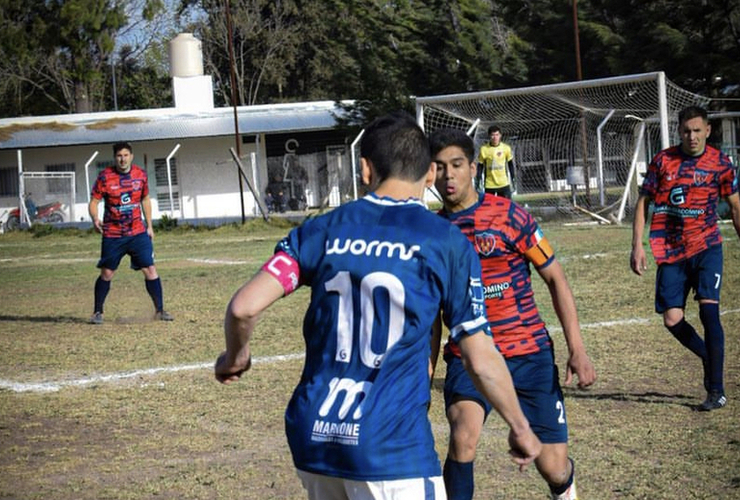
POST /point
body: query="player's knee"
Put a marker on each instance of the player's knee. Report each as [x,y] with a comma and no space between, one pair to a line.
[553,463]
[672,317]
[463,444]
[150,273]
[556,472]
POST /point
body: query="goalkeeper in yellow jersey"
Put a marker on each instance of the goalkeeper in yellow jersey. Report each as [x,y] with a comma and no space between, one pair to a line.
[496,164]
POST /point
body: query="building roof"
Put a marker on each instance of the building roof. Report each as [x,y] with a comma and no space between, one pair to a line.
[164,123]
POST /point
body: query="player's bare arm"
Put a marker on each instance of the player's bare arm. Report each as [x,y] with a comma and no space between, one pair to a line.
[436,340]
[242,314]
[92,209]
[491,376]
[146,206]
[564,304]
[638,258]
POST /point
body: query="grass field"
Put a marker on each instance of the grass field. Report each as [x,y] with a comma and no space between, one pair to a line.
[130,409]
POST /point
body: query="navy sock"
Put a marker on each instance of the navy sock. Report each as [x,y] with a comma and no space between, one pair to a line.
[458,477]
[714,337]
[686,334]
[102,288]
[154,288]
[559,490]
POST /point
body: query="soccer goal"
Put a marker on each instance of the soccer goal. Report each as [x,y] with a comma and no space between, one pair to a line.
[44,198]
[574,143]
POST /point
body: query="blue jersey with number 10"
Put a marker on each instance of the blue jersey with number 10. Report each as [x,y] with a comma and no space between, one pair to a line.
[379,272]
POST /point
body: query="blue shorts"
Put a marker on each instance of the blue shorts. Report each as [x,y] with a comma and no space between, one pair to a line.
[139,247]
[537,386]
[702,272]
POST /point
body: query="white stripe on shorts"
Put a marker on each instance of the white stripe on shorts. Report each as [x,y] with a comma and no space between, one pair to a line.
[321,487]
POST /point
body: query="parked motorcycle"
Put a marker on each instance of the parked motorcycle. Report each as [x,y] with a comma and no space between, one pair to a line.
[49,213]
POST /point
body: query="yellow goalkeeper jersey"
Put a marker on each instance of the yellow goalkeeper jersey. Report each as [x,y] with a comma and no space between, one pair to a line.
[495,159]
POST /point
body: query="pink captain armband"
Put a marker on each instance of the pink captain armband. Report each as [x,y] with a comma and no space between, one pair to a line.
[283,268]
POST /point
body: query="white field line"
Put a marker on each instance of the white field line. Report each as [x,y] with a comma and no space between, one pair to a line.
[217,261]
[114,377]
[53,386]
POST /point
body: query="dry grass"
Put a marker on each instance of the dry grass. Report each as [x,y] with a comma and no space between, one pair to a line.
[179,434]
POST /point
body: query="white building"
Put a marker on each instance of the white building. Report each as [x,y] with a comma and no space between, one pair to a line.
[186,151]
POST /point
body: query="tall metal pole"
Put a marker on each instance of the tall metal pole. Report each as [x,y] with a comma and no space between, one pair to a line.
[232,73]
[579,75]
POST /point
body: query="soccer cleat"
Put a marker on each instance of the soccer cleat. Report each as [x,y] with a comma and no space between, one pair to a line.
[715,400]
[569,494]
[163,316]
[96,319]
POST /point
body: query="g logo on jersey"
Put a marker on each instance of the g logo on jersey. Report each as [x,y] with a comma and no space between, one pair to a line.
[126,198]
[677,196]
[485,243]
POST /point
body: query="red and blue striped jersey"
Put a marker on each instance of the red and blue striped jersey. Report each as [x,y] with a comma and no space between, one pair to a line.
[122,195]
[685,191]
[507,239]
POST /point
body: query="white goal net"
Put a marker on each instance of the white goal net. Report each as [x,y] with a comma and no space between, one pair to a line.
[574,144]
[44,198]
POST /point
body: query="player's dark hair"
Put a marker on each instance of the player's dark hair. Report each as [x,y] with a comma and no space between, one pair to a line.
[122,145]
[446,137]
[397,147]
[493,128]
[691,112]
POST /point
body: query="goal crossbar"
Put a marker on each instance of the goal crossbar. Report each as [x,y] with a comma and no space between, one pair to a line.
[570,140]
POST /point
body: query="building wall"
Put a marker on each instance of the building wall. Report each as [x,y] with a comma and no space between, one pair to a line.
[206,173]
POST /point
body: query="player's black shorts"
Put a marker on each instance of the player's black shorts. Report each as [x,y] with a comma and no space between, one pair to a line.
[139,247]
[537,386]
[702,272]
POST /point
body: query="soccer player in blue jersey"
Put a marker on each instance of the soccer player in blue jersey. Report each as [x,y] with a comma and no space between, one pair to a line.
[684,183]
[380,268]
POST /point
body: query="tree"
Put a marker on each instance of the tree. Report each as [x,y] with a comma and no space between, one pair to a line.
[264,38]
[55,55]
[24,88]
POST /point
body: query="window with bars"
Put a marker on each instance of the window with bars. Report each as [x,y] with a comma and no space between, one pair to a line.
[9,181]
[102,165]
[163,194]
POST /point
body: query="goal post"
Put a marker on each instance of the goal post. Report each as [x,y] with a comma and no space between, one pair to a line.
[52,194]
[573,143]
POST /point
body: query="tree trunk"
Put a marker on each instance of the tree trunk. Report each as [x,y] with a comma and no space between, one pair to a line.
[82,99]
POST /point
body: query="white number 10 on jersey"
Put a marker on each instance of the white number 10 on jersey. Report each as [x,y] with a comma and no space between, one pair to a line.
[342,284]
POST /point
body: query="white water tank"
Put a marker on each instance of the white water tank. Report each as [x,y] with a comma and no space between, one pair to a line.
[186,56]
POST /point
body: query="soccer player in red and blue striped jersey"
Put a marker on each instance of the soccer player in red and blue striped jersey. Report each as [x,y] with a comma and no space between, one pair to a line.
[685,183]
[125,192]
[507,240]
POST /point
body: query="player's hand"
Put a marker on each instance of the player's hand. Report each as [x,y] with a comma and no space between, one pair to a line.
[227,372]
[524,448]
[98,225]
[638,260]
[580,365]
